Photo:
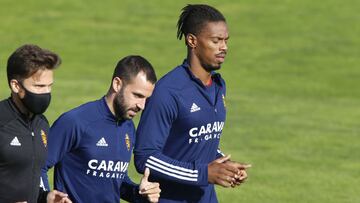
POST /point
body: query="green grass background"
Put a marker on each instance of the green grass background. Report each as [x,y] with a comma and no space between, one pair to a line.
[292,76]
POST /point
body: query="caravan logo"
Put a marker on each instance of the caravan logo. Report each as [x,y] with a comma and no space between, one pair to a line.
[206,132]
[107,168]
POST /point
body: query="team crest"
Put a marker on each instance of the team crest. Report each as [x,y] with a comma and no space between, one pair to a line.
[223,98]
[43,137]
[127,141]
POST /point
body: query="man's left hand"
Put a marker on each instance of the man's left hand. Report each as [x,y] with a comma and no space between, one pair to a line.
[242,174]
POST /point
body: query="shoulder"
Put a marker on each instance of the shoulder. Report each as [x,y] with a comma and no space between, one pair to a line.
[176,79]
[7,113]
[3,103]
[44,119]
[82,114]
[171,85]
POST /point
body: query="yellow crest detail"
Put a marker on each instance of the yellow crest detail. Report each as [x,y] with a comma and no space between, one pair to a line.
[127,141]
[223,97]
[43,137]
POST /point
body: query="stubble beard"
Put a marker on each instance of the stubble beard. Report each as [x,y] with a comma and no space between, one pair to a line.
[119,106]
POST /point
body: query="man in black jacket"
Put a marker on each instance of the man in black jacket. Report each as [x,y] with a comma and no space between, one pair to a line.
[23,128]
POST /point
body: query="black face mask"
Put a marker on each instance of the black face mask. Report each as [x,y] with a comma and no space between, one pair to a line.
[36,103]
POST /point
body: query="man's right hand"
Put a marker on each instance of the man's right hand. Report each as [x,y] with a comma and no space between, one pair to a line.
[221,173]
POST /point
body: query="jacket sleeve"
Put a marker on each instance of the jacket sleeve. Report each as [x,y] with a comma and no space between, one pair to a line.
[129,191]
[160,112]
[42,196]
[219,153]
[62,138]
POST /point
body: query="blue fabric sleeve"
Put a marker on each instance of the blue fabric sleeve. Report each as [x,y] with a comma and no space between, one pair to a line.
[62,138]
[219,153]
[154,127]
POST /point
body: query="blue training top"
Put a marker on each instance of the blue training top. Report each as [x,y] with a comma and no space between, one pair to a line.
[91,152]
[178,135]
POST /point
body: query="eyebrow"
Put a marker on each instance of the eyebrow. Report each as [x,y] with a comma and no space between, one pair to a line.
[42,84]
[218,37]
[139,94]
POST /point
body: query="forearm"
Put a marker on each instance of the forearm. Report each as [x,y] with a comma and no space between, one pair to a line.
[42,195]
[129,191]
[161,166]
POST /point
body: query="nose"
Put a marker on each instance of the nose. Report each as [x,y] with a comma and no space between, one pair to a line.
[141,104]
[48,89]
[224,46]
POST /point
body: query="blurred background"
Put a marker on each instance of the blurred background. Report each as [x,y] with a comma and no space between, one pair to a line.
[292,75]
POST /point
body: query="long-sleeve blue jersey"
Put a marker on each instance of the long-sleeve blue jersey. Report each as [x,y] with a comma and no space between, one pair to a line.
[91,152]
[178,135]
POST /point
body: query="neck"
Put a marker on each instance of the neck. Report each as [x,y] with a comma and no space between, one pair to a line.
[109,98]
[20,106]
[198,70]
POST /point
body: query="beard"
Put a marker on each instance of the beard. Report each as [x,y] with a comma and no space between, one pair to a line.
[120,108]
[210,68]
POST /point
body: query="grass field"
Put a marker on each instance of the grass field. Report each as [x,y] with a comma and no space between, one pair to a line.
[292,76]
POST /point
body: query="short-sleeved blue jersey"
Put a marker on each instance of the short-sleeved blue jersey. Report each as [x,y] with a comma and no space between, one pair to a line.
[91,152]
[178,135]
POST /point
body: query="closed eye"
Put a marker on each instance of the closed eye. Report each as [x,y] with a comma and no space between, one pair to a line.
[137,95]
[40,85]
[215,40]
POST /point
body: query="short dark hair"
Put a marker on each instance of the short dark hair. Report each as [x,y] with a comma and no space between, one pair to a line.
[193,18]
[130,66]
[28,59]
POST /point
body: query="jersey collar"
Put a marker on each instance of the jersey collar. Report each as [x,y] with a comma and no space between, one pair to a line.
[104,108]
[216,77]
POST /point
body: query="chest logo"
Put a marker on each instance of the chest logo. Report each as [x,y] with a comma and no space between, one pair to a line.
[223,98]
[43,138]
[194,108]
[102,143]
[15,142]
[127,141]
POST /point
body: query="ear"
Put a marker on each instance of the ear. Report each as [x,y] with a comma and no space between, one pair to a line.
[191,40]
[117,84]
[15,86]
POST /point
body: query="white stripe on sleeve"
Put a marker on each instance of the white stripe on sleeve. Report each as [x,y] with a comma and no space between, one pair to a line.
[170,174]
[172,166]
[171,170]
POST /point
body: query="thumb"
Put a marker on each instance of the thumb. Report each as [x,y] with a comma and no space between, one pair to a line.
[146,173]
[144,180]
[246,166]
[223,159]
